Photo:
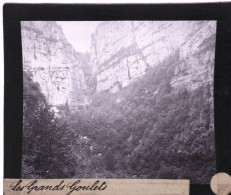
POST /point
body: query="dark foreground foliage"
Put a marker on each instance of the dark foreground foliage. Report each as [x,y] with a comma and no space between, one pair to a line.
[47,143]
[145,130]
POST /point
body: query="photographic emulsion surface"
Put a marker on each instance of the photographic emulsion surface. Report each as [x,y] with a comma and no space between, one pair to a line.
[118,99]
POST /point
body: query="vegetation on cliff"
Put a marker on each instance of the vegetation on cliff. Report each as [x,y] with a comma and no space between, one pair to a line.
[145,130]
[47,143]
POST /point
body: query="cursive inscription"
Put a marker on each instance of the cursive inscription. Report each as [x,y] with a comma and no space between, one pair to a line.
[74,186]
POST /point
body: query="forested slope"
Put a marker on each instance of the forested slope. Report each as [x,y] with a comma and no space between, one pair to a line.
[137,106]
[148,131]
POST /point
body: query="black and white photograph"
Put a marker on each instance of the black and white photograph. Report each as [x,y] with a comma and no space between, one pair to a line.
[119,99]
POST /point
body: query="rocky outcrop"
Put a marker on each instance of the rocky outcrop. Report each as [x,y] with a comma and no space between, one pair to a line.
[54,64]
[196,66]
[124,50]
[197,55]
[121,51]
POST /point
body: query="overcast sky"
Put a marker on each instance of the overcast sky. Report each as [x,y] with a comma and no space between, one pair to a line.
[79,33]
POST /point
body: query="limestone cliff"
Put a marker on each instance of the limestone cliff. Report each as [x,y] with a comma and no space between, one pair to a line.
[124,50]
[121,51]
[54,64]
[196,66]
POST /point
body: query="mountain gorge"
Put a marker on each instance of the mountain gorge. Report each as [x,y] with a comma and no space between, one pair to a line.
[139,104]
[120,52]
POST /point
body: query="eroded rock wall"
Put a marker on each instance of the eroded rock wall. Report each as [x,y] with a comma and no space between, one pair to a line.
[123,51]
[54,64]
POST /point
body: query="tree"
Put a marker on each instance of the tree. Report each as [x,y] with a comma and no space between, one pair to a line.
[47,143]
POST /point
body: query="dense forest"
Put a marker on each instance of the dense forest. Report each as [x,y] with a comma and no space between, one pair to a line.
[145,130]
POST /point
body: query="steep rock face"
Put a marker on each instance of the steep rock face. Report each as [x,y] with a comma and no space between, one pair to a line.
[124,50]
[54,64]
[114,53]
[121,51]
[197,55]
[196,67]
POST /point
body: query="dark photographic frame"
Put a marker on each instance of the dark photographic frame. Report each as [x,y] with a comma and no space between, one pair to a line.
[13,99]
